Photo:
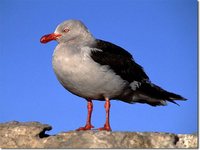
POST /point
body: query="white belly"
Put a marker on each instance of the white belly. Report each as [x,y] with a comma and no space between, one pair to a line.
[79,74]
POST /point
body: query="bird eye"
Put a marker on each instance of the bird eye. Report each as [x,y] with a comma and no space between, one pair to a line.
[66,30]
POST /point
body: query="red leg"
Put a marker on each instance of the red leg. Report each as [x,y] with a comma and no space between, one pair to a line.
[88,125]
[107,124]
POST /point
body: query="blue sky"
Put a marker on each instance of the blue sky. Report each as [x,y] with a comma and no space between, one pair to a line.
[160,34]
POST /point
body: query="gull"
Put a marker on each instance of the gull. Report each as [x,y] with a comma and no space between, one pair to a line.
[95,69]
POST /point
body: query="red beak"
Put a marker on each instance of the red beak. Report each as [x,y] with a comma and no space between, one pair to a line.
[49,37]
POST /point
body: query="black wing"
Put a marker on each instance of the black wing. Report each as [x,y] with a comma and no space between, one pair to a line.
[119,60]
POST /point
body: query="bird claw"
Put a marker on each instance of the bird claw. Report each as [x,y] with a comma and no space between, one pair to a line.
[87,127]
[105,128]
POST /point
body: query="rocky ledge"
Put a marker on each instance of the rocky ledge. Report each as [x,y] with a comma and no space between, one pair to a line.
[32,135]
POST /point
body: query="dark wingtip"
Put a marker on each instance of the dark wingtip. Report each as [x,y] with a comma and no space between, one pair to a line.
[174,102]
[184,99]
[173,96]
[177,98]
[180,98]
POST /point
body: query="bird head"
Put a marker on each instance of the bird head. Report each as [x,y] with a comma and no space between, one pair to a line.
[67,31]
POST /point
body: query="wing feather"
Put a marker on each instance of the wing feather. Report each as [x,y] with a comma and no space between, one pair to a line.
[119,60]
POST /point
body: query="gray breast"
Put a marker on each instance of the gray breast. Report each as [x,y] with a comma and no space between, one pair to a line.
[79,74]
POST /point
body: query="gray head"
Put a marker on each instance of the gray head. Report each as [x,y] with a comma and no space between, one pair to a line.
[70,30]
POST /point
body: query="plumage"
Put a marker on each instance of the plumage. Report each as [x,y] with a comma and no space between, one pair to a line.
[119,60]
[99,70]
[123,64]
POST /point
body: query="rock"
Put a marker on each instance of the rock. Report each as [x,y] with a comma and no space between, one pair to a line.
[187,141]
[32,135]
[22,135]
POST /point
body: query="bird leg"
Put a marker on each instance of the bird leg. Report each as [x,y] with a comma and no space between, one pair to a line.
[88,125]
[107,124]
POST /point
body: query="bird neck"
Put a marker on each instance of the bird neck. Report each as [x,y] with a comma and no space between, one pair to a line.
[83,40]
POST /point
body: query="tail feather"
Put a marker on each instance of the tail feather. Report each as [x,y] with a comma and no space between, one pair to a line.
[154,95]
